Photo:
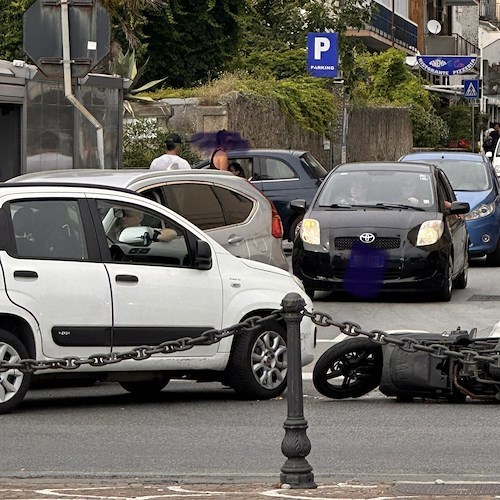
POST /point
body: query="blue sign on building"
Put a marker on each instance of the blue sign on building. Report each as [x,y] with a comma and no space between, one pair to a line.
[322,54]
[447,65]
[472,89]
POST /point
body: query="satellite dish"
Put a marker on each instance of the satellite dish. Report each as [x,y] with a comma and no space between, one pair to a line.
[434,26]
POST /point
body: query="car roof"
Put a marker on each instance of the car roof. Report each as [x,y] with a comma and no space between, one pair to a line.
[123,178]
[441,155]
[389,166]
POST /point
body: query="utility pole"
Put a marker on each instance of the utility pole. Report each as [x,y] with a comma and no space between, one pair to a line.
[393,26]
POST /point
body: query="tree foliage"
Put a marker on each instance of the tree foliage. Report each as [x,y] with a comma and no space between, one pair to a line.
[388,81]
[11,20]
[192,41]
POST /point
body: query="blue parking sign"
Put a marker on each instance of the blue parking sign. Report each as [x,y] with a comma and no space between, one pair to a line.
[322,54]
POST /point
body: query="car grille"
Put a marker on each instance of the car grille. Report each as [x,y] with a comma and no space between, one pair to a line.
[383,243]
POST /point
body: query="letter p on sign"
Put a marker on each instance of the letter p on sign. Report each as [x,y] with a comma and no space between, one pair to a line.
[321,44]
[322,54]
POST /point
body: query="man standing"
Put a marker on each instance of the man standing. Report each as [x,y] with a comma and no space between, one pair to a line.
[171,159]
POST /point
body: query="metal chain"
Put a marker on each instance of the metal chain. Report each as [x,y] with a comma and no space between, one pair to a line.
[436,350]
[139,353]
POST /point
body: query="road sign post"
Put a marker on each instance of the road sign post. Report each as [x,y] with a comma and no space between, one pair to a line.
[66,39]
[472,92]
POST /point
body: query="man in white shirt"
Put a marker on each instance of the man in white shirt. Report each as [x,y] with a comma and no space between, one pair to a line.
[171,159]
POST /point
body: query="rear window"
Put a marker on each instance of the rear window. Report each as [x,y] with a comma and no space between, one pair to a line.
[312,166]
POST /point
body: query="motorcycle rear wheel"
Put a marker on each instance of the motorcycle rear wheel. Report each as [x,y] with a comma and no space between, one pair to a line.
[349,369]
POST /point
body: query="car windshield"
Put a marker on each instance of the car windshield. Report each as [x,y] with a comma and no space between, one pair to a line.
[378,189]
[465,175]
[313,166]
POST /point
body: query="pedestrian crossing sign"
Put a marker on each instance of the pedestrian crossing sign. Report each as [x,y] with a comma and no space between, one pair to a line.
[471,89]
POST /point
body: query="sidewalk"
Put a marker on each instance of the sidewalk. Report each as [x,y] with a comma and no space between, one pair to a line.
[39,489]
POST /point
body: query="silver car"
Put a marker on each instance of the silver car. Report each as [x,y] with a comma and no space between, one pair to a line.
[228,208]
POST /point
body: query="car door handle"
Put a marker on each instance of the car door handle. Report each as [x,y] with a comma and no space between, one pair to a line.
[234,239]
[126,278]
[25,274]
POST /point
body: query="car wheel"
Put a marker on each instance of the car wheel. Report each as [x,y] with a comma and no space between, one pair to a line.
[13,383]
[294,227]
[444,293]
[349,369]
[146,388]
[310,292]
[493,258]
[461,281]
[259,362]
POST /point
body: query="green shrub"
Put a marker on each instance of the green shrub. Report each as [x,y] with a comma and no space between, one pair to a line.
[144,140]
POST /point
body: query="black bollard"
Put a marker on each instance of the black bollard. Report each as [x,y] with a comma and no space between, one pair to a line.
[296,445]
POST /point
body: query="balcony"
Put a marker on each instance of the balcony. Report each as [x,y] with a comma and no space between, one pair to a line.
[380,34]
[452,45]
[460,3]
[488,10]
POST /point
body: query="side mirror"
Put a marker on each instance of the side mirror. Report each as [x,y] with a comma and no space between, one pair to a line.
[203,255]
[489,154]
[299,206]
[140,236]
[459,207]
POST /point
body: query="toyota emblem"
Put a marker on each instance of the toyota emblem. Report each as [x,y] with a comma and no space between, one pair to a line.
[367,238]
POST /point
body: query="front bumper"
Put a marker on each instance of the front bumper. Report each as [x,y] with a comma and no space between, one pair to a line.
[413,270]
[480,230]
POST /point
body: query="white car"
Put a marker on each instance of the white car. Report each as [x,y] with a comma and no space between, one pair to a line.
[89,270]
[229,209]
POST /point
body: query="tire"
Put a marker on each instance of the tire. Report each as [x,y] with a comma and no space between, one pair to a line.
[14,384]
[444,293]
[310,292]
[349,369]
[146,388]
[461,280]
[259,362]
[293,228]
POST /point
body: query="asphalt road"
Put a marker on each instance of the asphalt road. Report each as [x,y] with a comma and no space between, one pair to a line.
[203,432]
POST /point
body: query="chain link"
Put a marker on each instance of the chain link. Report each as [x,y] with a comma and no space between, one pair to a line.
[208,337]
[441,351]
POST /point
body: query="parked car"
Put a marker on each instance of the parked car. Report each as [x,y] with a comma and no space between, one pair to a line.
[80,277]
[227,208]
[282,175]
[364,233]
[475,182]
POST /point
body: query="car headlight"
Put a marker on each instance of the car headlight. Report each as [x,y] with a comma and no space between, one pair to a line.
[430,232]
[481,211]
[310,231]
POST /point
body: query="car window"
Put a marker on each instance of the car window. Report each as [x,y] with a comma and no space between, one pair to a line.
[372,187]
[236,206]
[274,169]
[246,164]
[48,229]
[466,175]
[197,203]
[312,166]
[159,241]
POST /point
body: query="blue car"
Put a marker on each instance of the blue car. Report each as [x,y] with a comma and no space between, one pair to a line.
[474,181]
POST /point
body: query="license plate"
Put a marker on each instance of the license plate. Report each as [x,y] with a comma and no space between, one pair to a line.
[362,260]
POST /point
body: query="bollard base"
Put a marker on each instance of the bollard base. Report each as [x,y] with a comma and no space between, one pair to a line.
[299,481]
[298,474]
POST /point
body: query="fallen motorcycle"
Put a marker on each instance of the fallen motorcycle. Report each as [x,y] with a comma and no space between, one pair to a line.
[407,365]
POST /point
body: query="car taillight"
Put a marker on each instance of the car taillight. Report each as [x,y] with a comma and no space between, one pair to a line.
[276,225]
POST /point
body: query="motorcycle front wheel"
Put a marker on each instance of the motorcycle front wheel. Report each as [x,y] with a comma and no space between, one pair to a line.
[349,369]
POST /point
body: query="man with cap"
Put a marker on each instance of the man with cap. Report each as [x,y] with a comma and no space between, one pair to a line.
[171,159]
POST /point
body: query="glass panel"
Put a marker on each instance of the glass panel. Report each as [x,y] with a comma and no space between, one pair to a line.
[276,169]
[158,240]
[49,229]
[197,203]
[236,207]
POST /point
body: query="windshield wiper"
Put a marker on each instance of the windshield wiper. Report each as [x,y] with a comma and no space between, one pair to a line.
[338,205]
[398,205]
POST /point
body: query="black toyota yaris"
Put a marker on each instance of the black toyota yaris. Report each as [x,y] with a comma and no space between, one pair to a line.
[383,226]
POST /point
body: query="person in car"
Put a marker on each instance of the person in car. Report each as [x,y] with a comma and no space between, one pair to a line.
[132,218]
[236,169]
[357,193]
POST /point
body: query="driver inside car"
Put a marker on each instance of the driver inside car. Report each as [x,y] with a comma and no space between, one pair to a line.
[133,218]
